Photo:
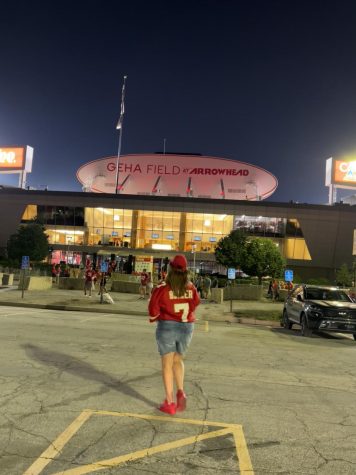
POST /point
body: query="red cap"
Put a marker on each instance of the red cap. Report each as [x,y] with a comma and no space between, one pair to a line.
[179,262]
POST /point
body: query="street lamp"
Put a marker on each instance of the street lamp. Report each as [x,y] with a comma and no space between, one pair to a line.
[194,252]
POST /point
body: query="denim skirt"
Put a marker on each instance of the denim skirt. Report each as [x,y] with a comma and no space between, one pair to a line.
[173,337]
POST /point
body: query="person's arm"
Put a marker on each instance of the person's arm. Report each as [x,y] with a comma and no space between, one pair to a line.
[154,304]
[196,298]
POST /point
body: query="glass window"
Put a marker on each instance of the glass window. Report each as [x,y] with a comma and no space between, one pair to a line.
[293,228]
[158,230]
[260,225]
[108,218]
[98,219]
[203,230]
[108,226]
[46,214]
[79,216]
[30,213]
[296,248]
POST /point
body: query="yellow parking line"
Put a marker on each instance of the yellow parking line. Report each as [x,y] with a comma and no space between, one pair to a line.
[54,449]
[167,419]
[103,464]
[245,463]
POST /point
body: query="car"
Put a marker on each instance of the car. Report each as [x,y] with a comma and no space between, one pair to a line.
[319,308]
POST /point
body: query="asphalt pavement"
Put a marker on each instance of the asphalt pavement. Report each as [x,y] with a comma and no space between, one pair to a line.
[79,393]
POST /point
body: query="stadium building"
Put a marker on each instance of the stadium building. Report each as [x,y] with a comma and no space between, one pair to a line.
[168,203]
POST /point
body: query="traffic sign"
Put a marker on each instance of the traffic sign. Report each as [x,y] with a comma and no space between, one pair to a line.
[231,273]
[104,267]
[25,262]
[288,275]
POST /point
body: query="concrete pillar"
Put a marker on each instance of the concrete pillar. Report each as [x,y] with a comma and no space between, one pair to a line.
[182,230]
[7,279]
[217,295]
[134,223]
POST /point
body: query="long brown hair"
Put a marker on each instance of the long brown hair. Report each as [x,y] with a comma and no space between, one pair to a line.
[178,281]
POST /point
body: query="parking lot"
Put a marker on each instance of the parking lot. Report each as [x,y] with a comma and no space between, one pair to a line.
[79,393]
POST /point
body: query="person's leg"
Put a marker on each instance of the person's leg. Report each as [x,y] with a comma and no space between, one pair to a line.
[178,370]
[167,375]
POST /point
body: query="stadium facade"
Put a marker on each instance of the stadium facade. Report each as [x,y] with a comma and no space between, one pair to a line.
[315,239]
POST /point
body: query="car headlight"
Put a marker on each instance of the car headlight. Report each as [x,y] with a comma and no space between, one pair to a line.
[315,310]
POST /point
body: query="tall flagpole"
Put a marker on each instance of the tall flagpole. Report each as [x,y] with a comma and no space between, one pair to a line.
[119,127]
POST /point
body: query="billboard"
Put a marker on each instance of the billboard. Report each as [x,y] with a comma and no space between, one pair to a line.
[16,159]
[341,173]
[178,175]
[344,172]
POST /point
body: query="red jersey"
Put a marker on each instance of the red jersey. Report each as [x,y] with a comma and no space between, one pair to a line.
[164,305]
[144,278]
[89,275]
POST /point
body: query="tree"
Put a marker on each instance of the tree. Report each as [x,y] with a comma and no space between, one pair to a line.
[30,240]
[263,259]
[231,250]
[343,276]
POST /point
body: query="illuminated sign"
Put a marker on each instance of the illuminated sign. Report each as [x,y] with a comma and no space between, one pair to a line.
[12,158]
[344,172]
[15,159]
[174,175]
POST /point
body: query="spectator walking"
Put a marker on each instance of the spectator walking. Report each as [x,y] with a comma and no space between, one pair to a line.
[149,285]
[275,289]
[215,283]
[88,282]
[172,306]
[143,284]
[206,287]
[102,284]
[199,285]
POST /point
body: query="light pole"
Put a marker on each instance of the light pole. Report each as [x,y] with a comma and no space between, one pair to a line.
[194,251]
[119,127]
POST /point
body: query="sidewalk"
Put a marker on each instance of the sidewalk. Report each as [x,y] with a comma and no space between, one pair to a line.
[130,304]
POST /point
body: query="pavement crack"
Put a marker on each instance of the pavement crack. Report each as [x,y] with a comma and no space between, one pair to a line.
[206,409]
[92,444]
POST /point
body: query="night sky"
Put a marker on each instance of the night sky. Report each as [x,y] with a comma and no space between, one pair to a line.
[272,83]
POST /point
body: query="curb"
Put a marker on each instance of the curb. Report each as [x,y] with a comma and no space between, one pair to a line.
[256,322]
[72,308]
[226,317]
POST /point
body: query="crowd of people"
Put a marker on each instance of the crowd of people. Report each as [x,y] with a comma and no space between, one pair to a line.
[95,280]
[275,286]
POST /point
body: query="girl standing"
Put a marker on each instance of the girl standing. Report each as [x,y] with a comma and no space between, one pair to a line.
[172,305]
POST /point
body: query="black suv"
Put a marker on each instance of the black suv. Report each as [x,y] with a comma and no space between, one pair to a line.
[320,308]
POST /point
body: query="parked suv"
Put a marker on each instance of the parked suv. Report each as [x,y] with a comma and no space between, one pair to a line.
[320,308]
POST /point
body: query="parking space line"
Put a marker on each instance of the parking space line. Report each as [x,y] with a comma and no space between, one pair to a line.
[167,419]
[54,449]
[245,463]
[243,457]
[114,462]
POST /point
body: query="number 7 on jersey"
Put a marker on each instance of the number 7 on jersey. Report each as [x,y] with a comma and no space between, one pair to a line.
[184,307]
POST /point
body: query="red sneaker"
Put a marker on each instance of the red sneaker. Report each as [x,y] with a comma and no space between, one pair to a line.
[168,408]
[181,400]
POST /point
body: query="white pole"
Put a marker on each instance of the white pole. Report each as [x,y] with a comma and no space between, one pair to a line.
[119,126]
[193,251]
